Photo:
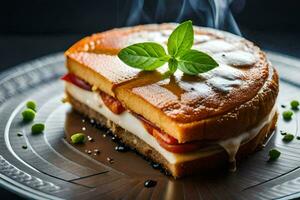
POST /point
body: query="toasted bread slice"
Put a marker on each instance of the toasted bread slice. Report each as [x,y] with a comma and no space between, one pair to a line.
[216,105]
[214,159]
[231,106]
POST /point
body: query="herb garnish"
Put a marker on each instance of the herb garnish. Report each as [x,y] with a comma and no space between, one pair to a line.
[274,154]
[78,138]
[295,104]
[31,105]
[150,55]
[28,115]
[37,128]
[288,137]
[287,115]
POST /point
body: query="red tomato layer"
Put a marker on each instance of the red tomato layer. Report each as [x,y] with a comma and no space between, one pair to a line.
[175,148]
[168,142]
[112,103]
[77,81]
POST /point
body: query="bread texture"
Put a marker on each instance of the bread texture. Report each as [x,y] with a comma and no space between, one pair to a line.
[216,160]
[209,108]
[216,105]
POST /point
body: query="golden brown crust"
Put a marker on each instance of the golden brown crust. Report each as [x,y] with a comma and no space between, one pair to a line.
[213,161]
[226,125]
[112,71]
[215,105]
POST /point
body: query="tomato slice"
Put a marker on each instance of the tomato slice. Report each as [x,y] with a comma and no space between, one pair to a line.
[178,148]
[112,103]
[148,127]
[164,137]
[168,142]
[152,130]
[171,144]
[77,81]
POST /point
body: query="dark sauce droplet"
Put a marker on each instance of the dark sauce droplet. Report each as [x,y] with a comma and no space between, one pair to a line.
[155,165]
[283,106]
[298,137]
[149,183]
[24,147]
[96,151]
[121,148]
[164,171]
[114,139]
[167,173]
[19,134]
[283,133]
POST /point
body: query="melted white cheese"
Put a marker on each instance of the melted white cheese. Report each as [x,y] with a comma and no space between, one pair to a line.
[130,123]
[236,58]
[215,46]
[232,145]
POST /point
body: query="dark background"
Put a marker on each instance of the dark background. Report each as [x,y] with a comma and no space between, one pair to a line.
[33,28]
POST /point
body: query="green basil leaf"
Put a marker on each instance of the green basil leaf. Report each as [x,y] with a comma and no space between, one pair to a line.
[181,39]
[150,55]
[194,62]
[146,56]
[173,63]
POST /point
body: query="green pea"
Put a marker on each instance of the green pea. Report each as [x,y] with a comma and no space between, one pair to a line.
[28,114]
[78,138]
[288,137]
[274,154]
[37,128]
[287,115]
[294,104]
[31,105]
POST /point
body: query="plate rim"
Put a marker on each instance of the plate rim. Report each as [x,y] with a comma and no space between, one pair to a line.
[28,192]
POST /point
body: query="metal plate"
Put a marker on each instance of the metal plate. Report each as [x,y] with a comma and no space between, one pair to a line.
[51,168]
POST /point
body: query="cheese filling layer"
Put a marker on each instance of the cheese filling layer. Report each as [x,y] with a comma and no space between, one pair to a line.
[130,123]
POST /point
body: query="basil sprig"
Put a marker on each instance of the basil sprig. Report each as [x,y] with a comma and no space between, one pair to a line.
[150,55]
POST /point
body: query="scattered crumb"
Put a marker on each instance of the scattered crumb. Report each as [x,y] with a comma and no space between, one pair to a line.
[110,160]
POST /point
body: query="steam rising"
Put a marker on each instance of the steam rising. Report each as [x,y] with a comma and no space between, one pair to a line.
[210,13]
